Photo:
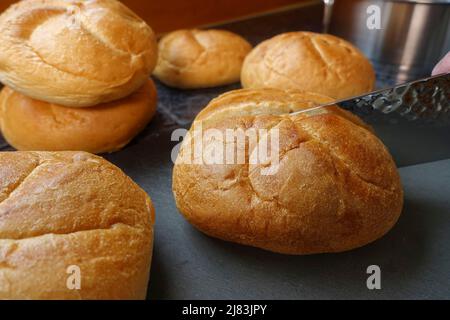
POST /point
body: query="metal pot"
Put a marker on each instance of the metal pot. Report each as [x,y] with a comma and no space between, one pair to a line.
[413,37]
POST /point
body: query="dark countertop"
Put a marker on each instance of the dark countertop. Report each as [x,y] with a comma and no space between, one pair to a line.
[414,257]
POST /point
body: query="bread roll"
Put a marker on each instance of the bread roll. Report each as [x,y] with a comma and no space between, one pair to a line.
[67,210]
[32,125]
[309,61]
[75,53]
[191,59]
[336,187]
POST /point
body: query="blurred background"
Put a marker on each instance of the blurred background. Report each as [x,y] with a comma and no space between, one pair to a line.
[412,35]
[167,15]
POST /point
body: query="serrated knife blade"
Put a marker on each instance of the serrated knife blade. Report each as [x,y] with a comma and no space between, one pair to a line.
[427,99]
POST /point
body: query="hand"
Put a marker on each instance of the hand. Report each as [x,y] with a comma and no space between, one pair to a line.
[443,66]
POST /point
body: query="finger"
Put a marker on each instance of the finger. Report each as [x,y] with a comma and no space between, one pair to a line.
[443,66]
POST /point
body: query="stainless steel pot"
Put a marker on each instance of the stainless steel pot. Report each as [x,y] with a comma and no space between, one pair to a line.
[413,37]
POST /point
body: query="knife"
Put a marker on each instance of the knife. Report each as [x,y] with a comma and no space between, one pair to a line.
[427,99]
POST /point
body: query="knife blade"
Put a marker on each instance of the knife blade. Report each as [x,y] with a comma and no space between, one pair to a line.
[427,98]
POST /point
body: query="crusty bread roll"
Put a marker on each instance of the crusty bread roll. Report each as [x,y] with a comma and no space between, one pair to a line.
[309,61]
[32,125]
[67,210]
[191,59]
[336,187]
[75,53]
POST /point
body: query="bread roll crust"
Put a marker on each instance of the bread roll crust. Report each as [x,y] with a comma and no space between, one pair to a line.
[72,209]
[336,188]
[75,53]
[32,125]
[191,59]
[308,61]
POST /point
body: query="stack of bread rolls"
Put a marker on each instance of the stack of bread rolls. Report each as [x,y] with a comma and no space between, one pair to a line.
[76,75]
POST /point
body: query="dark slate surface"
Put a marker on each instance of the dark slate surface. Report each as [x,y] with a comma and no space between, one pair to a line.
[414,257]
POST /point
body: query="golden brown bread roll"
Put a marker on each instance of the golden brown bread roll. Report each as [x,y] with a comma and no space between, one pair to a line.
[309,61]
[75,53]
[336,187]
[32,125]
[65,209]
[191,59]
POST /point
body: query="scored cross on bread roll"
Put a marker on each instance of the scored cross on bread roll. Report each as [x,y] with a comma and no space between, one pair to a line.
[336,187]
[72,226]
[190,59]
[75,53]
[309,61]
